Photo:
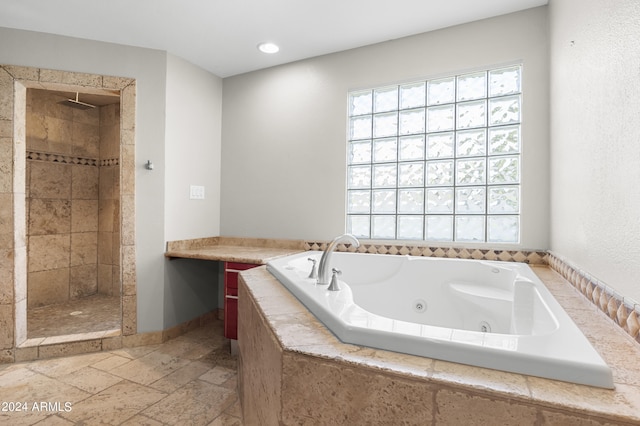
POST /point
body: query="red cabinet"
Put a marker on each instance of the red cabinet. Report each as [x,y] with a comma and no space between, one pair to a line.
[231,270]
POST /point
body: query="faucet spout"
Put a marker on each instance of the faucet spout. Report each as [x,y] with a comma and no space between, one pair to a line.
[323,269]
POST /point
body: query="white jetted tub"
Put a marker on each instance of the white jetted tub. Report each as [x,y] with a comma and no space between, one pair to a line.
[496,315]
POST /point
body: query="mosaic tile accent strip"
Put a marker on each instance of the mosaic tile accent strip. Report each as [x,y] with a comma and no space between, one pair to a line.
[623,311]
[59,158]
[67,159]
[532,257]
[110,162]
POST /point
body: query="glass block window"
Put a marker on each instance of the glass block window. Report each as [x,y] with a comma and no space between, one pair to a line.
[437,160]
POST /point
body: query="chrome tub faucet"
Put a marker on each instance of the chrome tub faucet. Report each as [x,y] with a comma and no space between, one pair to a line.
[324,275]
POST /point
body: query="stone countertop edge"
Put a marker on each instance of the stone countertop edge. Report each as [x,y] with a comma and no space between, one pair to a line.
[287,318]
[233,249]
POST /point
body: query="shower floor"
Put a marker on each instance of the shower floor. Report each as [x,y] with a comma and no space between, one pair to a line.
[93,313]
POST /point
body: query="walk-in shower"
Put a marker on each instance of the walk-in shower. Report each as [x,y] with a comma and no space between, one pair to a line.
[72,213]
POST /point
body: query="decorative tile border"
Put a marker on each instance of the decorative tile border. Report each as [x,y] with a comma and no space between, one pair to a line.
[110,162]
[525,256]
[67,159]
[623,311]
[59,158]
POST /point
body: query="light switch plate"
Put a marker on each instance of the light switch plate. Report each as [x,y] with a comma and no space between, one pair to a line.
[196,192]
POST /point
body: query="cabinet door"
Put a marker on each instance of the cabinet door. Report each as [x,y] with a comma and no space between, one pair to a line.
[231,270]
[231,317]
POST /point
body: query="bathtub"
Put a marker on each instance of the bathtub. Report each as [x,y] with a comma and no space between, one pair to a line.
[489,314]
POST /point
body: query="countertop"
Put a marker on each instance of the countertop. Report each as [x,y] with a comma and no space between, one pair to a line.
[230,249]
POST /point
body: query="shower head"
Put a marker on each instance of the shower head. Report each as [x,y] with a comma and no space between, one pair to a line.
[75,103]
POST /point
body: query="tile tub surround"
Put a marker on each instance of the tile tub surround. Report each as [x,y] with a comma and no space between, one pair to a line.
[14,82]
[292,370]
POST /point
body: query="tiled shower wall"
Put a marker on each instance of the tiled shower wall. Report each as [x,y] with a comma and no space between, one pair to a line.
[109,202]
[72,199]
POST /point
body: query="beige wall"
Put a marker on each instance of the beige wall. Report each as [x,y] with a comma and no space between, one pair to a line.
[194,101]
[284,128]
[72,200]
[595,137]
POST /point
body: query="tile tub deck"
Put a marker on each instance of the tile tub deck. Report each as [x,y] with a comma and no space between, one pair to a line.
[294,371]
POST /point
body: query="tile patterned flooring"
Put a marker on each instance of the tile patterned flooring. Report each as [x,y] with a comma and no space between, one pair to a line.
[86,315]
[189,380]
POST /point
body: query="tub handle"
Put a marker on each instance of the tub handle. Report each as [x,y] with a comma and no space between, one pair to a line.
[314,270]
[334,280]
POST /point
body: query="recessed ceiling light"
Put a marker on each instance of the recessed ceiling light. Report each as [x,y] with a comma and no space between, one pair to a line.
[268,48]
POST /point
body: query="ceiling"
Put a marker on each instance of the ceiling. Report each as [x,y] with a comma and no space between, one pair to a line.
[221,35]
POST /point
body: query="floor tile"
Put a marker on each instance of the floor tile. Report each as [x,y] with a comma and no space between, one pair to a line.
[26,391]
[235,410]
[197,403]
[14,374]
[135,352]
[181,377]
[54,420]
[149,368]
[190,380]
[56,367]
[140,420]
[114,405]
[185,348]
[218,375]
[90,379]
[111,362]
[226,420]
